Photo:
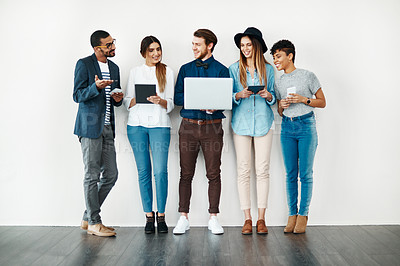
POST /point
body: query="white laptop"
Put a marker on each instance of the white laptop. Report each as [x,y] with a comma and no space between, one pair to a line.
[208,93]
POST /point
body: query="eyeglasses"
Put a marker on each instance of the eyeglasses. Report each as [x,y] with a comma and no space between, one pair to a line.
[108,45]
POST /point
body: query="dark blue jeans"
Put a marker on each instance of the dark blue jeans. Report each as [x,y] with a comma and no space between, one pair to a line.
[299,142]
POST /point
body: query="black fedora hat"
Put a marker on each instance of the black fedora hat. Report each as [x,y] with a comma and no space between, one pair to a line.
[253,32]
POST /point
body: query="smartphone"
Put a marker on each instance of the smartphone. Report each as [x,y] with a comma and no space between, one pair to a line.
[116,90]
[256,89]
[289,91]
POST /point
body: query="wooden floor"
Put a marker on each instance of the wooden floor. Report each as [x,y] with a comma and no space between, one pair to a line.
[321,245]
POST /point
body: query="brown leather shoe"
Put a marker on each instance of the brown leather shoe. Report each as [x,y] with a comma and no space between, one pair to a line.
[301,225]
[84,226]
[291,223]
[261,227]
[99,230]
[109,228]
[247,228]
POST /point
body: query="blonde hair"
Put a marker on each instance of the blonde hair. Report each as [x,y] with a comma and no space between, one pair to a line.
[259,63]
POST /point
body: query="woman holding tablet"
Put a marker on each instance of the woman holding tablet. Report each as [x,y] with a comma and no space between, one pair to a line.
[149,129]
[252,118]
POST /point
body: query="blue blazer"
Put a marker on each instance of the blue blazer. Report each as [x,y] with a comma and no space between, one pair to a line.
[92,101]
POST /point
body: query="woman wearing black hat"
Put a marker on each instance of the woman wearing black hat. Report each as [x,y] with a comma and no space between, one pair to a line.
[252,118]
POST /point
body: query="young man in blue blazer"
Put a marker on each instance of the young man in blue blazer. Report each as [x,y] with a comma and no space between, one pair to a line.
[95,79]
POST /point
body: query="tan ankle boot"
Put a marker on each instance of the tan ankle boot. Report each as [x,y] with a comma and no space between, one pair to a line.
[290,224]
[301,225]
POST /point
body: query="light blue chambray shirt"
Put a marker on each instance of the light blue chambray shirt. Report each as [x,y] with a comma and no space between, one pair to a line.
[252,116]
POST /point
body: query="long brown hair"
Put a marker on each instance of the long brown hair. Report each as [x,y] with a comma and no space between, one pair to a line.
[161,69]
[259,61]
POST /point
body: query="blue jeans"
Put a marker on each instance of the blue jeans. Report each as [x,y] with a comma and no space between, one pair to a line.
[142,139]
[299,142]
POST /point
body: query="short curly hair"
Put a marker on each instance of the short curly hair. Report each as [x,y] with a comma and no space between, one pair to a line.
[96,36]
[284,45]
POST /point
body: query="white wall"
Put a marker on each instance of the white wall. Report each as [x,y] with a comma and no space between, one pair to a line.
[352,46]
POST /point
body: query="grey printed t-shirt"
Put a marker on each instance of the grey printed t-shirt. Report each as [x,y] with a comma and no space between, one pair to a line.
[306,84]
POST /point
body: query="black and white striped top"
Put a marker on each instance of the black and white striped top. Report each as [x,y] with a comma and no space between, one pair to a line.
[105,72]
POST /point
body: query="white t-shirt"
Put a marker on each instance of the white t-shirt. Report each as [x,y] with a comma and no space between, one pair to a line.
[149,115]
[105,73]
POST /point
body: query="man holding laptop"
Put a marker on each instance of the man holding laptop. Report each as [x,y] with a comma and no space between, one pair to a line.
[201,128]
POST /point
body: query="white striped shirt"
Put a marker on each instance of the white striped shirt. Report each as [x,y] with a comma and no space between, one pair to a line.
[105,73]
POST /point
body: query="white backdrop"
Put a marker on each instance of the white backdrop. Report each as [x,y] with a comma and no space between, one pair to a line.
[352,46]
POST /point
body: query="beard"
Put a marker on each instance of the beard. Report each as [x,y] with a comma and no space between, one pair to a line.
[110,53]
[202,54]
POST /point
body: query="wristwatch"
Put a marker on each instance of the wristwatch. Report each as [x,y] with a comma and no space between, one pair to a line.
[308,101]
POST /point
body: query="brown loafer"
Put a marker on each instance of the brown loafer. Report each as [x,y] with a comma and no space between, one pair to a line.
[99,230]
[301,225]
[247,228]
[290,224]
[84,226]
[261,227]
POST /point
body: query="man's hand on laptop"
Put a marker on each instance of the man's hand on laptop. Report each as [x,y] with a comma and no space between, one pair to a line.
[208,111]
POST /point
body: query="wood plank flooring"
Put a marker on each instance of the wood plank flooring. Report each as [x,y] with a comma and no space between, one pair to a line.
[321,245]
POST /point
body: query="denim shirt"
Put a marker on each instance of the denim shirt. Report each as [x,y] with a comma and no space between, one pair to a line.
[252,116]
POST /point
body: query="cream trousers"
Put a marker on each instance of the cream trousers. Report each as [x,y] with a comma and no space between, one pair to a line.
[262,154]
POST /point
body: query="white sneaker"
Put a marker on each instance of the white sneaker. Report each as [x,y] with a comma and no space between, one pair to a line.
[182,226]
[214,226]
